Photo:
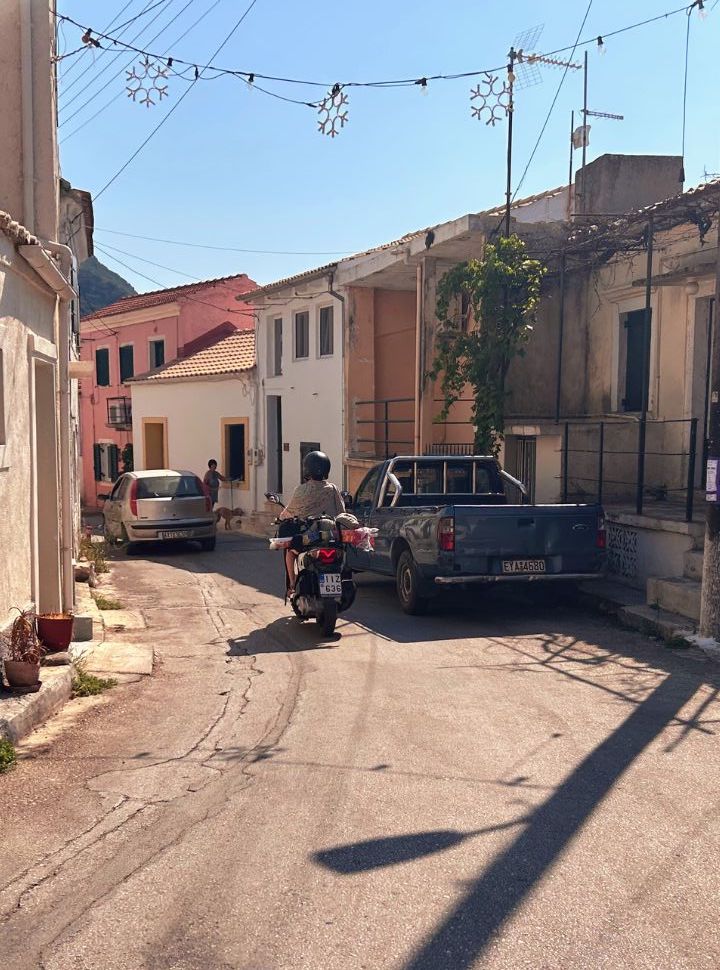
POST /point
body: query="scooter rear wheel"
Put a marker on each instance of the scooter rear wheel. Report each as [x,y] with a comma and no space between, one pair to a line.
[328,618]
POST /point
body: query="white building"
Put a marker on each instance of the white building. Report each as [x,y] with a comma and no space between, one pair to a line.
[299,331]
[200,407]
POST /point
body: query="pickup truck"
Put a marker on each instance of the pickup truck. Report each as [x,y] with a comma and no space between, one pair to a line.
[446,521]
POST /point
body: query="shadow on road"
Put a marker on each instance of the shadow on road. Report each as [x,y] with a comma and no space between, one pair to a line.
[285,635]
[498,891]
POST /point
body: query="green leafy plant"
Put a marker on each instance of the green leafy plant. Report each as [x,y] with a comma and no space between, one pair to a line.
[106,602]
[88,685]
[94,552]
[503,291]
[127,457]
[7,755]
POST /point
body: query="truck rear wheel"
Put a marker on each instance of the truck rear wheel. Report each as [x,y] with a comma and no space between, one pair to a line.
[408,585]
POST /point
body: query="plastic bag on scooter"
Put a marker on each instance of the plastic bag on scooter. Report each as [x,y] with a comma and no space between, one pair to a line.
[362,538]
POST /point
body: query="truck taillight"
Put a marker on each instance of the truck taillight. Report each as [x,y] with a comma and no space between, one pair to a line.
[601,540]
[206,493]
[446,534]
[133,496]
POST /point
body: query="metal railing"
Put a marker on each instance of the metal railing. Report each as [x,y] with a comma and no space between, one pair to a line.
[119,413]
[454,450]
[388,424]
[640,452]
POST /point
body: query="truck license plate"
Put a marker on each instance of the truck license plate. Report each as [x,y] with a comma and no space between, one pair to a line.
[330,584]
[175,534]
[523,566]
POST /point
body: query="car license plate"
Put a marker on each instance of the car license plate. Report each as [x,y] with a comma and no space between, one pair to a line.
[523,565]
[175,534]
[330,584]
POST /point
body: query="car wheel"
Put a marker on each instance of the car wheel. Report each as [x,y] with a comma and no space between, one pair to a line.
[207,545]
[408,585]
[130,547]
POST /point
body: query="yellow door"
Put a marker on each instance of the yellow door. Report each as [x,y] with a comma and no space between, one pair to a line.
[154,444]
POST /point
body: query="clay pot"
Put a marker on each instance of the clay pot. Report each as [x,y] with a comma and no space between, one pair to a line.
[20,673]
[55,630]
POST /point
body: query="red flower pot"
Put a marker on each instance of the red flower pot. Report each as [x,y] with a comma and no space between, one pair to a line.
[55,630]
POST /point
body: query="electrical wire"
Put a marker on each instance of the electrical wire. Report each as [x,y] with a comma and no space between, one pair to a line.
[178,272]
[685,86]
[396,82]
[174,107]
[230,249]
[146,9]
[157,283]
[552,105]
[79,94]
[114,98]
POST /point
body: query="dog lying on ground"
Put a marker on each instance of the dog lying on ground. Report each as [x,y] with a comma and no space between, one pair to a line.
[228,515]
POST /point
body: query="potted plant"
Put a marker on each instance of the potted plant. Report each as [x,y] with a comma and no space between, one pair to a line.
[55,630]
[23,654]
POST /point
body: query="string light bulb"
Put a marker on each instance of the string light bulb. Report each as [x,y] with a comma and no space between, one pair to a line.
[602,49]
[250,82]
[700,4]
[423,85]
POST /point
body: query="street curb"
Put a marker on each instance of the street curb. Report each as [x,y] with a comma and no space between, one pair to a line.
[30,710]
[669,627]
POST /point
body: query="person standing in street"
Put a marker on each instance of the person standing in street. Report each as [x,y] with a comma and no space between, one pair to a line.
[212,480]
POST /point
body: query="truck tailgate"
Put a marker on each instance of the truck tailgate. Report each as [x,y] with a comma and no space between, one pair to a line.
[507,539]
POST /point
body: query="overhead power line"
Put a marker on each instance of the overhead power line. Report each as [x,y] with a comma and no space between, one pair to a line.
[230,249]
[162,286]
[115,97]
[250,76]
[175,106]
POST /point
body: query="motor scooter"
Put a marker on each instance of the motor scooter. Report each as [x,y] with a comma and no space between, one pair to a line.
[324,586]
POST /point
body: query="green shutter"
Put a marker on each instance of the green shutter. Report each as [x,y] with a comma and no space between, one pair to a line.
[102,367]
[97,462]
[113,456]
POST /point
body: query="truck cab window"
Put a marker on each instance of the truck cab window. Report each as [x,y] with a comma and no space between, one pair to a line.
[366,492]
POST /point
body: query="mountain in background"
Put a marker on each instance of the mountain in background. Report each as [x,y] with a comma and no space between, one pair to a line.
[100,286]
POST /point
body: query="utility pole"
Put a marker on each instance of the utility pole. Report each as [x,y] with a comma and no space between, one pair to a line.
[510,111]
[710,600]
[585,140]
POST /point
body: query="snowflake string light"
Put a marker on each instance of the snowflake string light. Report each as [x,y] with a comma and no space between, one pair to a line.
[495,97]
[330,112]
[144,81]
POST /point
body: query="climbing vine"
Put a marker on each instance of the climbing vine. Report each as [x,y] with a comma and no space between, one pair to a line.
[486,310]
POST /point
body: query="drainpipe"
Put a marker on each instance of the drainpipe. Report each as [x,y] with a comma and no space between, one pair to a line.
[341,299]
[256,431]
[418,355]
[58,280]
[28,134]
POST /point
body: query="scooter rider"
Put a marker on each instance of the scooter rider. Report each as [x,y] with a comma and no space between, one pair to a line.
[314,498]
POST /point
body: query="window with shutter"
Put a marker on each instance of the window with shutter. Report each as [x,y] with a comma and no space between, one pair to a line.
[127,366]
[302,335]
[327,336]
[157,353]
[636,343]
[97,462]
[102,367]
[113,460]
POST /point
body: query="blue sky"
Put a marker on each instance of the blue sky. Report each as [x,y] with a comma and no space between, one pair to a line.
[235,168]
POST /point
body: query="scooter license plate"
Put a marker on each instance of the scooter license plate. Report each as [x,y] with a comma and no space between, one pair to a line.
[330,584]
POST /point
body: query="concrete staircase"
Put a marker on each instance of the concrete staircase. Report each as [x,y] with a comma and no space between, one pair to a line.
[679,595]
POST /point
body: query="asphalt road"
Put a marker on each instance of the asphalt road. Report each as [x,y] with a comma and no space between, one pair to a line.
[507,783]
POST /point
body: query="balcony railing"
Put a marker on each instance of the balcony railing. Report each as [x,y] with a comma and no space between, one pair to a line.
[119,413]
[385,427]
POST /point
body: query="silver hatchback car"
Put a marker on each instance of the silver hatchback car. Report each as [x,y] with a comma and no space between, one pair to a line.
[159,505]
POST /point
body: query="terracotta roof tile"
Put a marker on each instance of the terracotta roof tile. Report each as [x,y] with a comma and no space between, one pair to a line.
[231,355]
[13,230]
[159,297]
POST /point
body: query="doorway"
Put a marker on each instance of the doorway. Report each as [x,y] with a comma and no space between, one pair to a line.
[47,520]
[275,444]
[305,448]
[155,442]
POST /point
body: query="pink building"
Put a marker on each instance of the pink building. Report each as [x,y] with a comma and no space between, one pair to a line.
[132,336]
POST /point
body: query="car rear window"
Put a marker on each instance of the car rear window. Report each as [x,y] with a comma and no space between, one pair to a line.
[170,486]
